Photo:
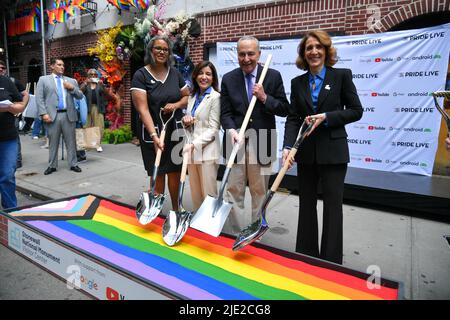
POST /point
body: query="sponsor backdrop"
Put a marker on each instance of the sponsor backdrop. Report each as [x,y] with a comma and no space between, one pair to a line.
[395,73]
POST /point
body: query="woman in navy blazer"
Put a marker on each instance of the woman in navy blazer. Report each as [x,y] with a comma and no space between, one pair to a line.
[328,96]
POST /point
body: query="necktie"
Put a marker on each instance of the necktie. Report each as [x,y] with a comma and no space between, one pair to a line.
[249,78]
[60,94]
[313,83]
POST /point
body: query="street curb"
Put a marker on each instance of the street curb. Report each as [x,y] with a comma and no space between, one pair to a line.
[33,193]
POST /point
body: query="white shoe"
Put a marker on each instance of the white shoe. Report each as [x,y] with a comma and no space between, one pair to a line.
[99,149]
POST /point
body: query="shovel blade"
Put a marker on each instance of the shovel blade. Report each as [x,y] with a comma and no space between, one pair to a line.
[149,207]
[211,216]
[175,226]
[186,217]
[251,233]
[170,227]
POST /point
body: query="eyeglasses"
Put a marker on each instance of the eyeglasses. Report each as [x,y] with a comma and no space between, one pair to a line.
[160,49]
[2,68]
[92,74]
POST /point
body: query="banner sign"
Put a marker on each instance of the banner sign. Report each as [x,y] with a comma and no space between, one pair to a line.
[80,272]
[395,74]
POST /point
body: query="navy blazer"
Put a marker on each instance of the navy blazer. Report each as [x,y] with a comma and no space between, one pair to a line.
[339,99]
[234,104]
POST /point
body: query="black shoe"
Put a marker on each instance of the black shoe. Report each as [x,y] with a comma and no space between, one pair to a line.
[76,169]
[49,170]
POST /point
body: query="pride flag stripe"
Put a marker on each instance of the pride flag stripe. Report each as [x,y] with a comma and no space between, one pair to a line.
[147,253]
[233,266]
[74,207]
[255,261]
[137,267]
[340,278]
[249,289]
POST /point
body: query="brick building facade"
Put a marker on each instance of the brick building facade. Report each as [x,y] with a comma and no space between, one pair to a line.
[277,19]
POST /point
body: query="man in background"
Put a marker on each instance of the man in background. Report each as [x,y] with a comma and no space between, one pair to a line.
[55,101]
[25,95]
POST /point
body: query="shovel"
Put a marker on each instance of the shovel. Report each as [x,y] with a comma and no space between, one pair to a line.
[150,205]
[211,215]
[255,230]
[445,94]
[177,222]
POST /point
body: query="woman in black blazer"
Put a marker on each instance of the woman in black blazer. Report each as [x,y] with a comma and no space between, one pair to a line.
[328,96]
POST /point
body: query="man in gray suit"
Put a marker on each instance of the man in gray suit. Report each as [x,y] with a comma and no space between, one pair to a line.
[54,99]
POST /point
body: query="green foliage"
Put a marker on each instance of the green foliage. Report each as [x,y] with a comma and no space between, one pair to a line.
[120,135]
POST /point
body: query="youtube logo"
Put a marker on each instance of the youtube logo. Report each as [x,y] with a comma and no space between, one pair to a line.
[371,127]
[374,94]
[377,59]
[112,294]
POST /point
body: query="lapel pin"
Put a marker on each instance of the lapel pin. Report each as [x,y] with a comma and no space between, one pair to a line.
[327,87]
[152,81]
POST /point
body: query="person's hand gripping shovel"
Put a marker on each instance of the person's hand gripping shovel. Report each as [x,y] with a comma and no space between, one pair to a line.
[177,222]
[211,215]
[150,204]
[445,95]
[255,230]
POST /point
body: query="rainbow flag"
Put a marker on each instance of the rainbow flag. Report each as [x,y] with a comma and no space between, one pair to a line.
[51,16]
[200,267]
[59,15]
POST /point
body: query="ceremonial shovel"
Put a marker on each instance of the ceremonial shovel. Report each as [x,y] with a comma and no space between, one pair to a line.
[445,94]
[150,205]
[211,215]
[255,230]
[177,222]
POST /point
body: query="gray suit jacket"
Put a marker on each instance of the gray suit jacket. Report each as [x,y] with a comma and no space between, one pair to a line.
[47,97]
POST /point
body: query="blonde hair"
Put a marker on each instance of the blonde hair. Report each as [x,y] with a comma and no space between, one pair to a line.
[324,38]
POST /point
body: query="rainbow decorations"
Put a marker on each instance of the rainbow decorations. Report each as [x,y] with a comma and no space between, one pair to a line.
[201,266]
[62,10]
[27,20]
[125,4]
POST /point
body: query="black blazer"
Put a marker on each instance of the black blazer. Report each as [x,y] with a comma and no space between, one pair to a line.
[234,104]
[339,99]
[101,97]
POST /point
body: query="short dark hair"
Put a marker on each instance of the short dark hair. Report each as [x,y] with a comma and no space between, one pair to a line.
[197,69]
[148,58]
[53,60]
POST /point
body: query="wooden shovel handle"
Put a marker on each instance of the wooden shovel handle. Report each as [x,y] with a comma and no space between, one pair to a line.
[283,170]
[159,152]
[184,166]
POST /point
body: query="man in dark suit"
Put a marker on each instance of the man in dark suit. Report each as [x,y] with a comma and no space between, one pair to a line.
[329,97]
[54,99]
[259,150]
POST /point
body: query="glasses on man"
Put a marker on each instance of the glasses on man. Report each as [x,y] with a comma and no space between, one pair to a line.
[161,49]
[2,68]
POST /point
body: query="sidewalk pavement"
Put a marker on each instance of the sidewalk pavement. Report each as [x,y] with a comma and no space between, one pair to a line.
[400,247]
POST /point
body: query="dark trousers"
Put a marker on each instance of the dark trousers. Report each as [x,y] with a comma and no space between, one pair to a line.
[332,181]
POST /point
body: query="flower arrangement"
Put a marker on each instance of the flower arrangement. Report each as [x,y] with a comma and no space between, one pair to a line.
[105,48]
[179,29]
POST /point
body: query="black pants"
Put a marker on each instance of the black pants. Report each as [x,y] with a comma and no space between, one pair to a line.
[332,181]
